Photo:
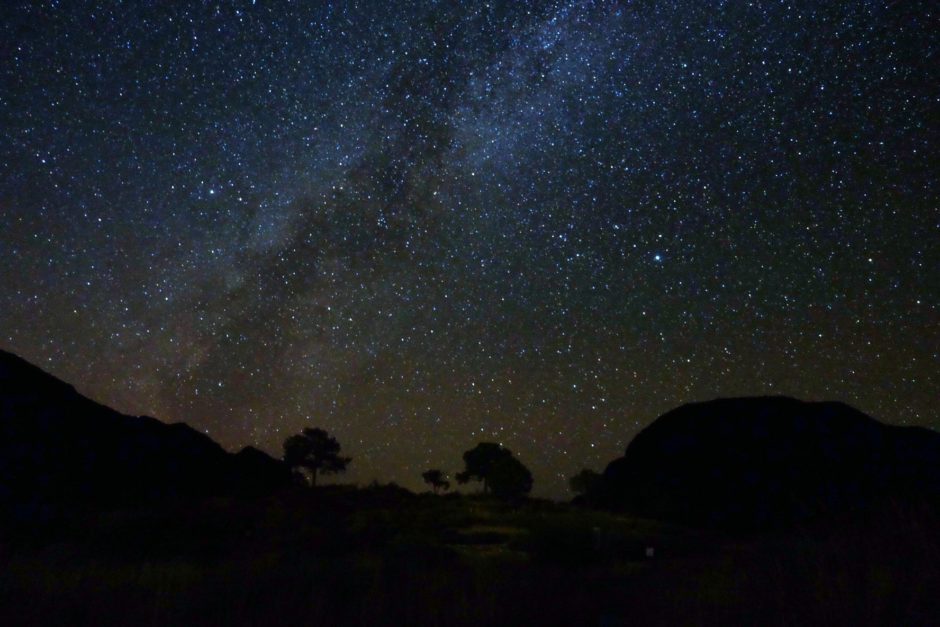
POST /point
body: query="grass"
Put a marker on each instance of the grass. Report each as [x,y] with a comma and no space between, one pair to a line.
[381,556]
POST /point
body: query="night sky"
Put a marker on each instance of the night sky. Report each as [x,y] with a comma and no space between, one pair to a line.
[420,225]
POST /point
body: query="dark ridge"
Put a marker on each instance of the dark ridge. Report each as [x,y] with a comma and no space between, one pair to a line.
[753,463]
[57,446]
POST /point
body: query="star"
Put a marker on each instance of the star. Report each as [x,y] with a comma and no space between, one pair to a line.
[417,224]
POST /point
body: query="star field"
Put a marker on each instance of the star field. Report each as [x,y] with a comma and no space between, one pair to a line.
[420,225]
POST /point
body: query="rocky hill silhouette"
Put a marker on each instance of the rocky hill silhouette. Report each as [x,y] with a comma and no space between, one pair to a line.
[57,446]
[751,463]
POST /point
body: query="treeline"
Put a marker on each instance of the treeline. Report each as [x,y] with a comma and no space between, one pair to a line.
[314,452]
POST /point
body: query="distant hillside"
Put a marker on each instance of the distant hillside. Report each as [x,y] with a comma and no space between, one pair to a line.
[761,462]
[58,446]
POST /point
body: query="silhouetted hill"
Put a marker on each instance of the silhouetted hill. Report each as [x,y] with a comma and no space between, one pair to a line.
[751,463]
[58,446]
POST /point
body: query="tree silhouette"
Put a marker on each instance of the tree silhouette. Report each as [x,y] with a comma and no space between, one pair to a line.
[316,451]
[435,479]
[587,484]
[510,479]
[496,467]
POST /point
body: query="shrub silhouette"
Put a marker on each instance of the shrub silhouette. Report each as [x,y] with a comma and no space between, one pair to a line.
[497,469]
[316,451]
[436,479]
[587,484]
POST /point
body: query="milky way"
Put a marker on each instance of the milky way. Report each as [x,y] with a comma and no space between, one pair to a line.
[423,225]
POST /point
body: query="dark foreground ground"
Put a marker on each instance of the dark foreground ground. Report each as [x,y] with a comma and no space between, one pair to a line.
[381,556]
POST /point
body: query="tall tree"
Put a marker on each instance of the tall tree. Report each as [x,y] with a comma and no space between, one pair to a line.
[316,451]
[497,469]
[436,479]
